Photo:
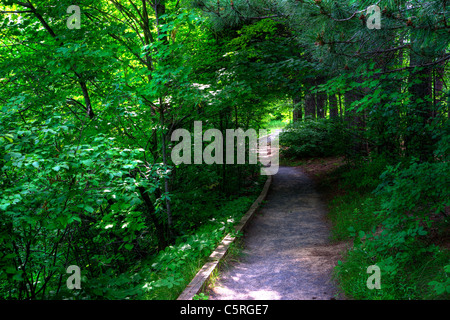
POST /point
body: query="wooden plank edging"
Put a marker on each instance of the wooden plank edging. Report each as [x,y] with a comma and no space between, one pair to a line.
[205,272]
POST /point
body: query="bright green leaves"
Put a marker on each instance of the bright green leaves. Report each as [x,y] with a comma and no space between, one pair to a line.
[16,275]
[323,137]
[431,187]
[262,30]
[7,137]
[89,191]
[412,199]
[53,187]
[86,208]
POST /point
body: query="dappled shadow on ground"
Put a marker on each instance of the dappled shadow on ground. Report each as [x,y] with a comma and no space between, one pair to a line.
[296,274]
[287,253]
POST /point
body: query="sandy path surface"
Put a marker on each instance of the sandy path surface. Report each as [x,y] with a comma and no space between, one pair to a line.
[287,254]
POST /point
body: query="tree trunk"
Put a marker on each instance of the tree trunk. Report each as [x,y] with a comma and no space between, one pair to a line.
[310,106]
[356,121]
[87,100]
[166,180]
[334,112]
[297,109]
[418,141]
[160,10]
[150,216]
[438,87]
[321,99]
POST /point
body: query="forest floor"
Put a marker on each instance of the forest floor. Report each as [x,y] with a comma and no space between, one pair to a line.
[287,253]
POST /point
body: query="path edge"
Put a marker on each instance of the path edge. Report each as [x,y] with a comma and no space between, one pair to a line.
[195,286]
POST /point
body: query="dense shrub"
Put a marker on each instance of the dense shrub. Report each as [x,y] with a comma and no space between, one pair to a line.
[412,206]
[314,138]
[173,268]
[365,173]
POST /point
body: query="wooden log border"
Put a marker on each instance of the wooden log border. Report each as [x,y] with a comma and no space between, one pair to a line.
[195,286]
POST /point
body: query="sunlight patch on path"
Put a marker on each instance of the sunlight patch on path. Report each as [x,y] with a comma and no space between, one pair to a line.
[287,253]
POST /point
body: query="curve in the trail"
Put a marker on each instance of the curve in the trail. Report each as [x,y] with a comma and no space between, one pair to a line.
[287,253]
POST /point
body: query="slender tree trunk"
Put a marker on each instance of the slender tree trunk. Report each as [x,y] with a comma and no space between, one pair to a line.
[334,112]
[81,81]
[356,122]
[418,141]
[438,87]
[150,216]
[160,9]
[297,110]
[321,99]
[166,180]
[310,106]
[87,100]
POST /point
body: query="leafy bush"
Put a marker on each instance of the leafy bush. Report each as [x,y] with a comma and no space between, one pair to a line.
[364,174]
[412,203]
[78,205]
[441,287]
[421,188]
[173,268]
[353,212]
[356,210]
[314,138]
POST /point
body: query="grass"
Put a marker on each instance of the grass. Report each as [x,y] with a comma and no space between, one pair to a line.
[353,212]
[233,255]
[175,267]
[410,282]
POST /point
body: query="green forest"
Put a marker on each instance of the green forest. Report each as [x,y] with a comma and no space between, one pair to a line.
[92,92]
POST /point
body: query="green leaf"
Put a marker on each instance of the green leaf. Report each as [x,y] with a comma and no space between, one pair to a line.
[89,209]
[87,163]
[11,270]
[7,137]
[18,276]
[75,218]
[421,232]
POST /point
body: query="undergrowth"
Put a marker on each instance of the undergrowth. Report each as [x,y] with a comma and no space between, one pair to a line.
[173,269]
[314,138]
[393,214]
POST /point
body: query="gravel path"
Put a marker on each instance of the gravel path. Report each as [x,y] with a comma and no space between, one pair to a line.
[287,254]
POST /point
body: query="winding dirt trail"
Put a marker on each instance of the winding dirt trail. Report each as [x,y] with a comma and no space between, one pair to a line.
[287,254]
